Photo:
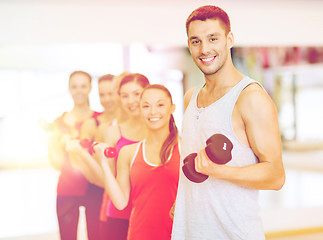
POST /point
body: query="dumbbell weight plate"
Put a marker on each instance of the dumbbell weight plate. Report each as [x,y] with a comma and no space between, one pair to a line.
[189,169]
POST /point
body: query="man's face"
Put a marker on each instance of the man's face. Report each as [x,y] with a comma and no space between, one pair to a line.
[107,96]
[209,45]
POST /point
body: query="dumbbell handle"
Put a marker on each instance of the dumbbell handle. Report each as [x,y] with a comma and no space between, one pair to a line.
[218,150]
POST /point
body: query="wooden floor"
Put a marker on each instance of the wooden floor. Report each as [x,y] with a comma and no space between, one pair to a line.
[316,236]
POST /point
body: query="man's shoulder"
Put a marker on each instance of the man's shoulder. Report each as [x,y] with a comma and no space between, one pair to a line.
[188,96]
[254,99]
[252,91]
[189,93]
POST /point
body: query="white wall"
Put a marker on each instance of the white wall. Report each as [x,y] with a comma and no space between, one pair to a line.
[275,22]
[34,31]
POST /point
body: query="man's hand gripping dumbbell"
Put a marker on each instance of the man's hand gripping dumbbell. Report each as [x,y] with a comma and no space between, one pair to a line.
[218,150]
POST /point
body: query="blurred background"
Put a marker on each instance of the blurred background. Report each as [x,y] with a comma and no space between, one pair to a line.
[277,42]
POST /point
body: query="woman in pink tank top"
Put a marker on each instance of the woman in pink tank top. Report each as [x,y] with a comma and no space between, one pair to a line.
[148,171]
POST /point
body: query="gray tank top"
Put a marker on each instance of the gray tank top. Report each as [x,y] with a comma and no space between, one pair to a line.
[215,209]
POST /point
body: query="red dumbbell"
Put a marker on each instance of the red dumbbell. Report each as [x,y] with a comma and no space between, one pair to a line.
[109,152]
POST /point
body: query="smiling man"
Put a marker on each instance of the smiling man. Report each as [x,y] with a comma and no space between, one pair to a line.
[225,205]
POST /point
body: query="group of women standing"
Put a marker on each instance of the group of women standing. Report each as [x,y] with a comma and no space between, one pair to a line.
[126,175]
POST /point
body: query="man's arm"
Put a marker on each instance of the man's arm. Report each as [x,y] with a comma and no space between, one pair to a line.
[259,117]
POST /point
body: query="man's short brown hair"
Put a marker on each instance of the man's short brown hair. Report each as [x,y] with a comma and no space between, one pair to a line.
[209,12]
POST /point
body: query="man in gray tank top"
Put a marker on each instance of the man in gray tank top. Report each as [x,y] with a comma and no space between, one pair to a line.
[225,205]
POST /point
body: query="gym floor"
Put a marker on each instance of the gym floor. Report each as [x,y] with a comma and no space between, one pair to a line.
[27,206]
[55,236]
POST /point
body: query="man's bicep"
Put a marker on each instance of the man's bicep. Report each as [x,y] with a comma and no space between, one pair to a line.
[262,129]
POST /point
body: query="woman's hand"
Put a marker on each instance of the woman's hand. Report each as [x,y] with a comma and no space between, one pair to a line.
[72,145]
[65,138]
[99,149]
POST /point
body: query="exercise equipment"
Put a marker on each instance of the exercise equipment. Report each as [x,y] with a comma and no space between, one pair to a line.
[109,152]
[218,150]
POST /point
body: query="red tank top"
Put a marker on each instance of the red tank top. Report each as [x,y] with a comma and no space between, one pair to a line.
[71,181]
[153,191]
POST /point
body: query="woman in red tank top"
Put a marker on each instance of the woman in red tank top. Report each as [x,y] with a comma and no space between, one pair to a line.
[72,188]
[148,171]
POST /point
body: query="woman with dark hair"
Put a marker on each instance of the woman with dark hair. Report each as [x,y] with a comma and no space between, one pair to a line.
[148,171]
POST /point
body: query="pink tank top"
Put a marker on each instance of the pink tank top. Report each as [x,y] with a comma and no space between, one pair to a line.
[112,211]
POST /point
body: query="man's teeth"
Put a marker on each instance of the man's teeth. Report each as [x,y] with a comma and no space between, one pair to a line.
[207,59]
